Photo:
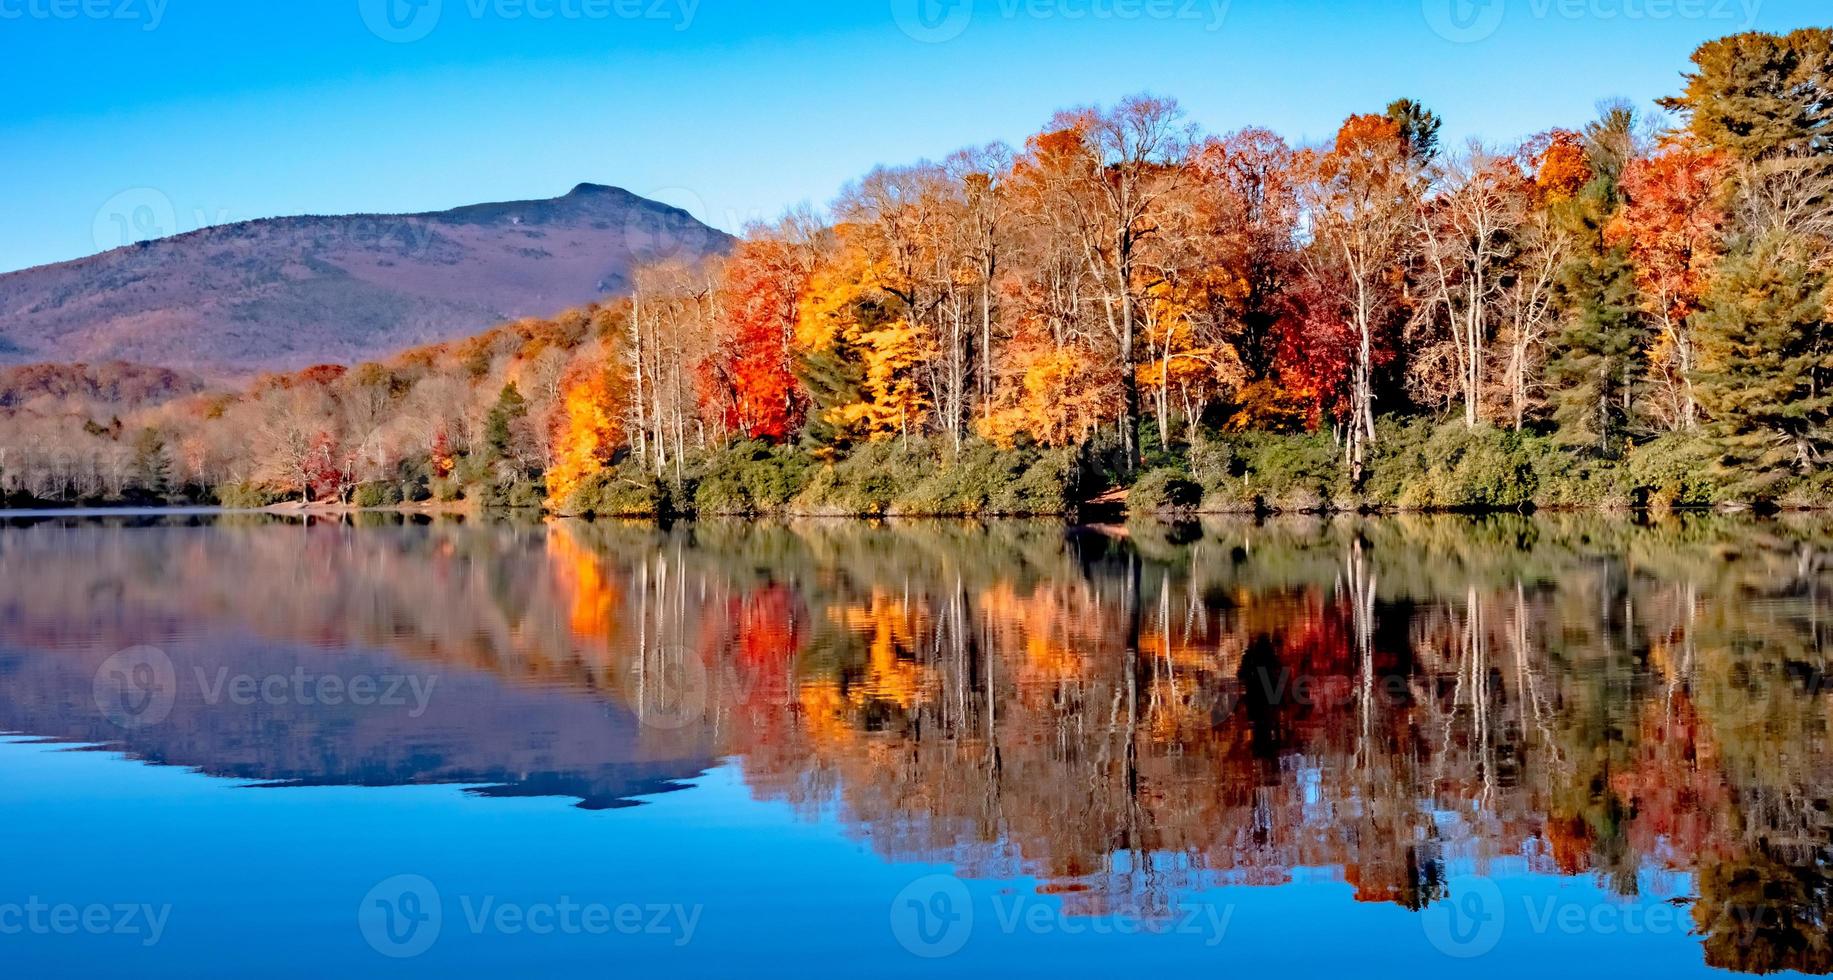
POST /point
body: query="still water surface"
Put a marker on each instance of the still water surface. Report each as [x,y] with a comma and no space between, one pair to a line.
[1395,746]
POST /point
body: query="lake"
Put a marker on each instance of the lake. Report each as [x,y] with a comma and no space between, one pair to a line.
[247,745]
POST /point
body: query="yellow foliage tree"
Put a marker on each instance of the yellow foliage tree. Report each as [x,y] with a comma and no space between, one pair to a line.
[588,430]
[846,311]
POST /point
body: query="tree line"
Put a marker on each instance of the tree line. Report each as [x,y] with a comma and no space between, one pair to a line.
[1128,289]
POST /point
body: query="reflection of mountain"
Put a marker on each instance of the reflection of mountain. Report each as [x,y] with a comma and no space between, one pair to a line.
[191,592]
[420,725]
[1125,718]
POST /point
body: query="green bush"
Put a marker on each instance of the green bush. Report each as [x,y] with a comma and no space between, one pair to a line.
[1164,491]
[245,496]
[867,482]
[371,496]
[963,484]
[1211,462]
[447,490]
[628,490]
[1290,472]
[1049,487]
[1456,467]
[514,494]
[751,478]
[1675,471]
[1567,479]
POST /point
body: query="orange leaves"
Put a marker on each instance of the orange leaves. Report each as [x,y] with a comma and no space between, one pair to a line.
[1674,223]
[588,431]
[1560,167]
[845,309]
[1062,394]
[1369,150]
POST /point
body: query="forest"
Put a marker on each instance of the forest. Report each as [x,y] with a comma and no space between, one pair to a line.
[1633,312]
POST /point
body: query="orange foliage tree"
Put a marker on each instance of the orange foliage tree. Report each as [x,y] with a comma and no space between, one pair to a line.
[588,430]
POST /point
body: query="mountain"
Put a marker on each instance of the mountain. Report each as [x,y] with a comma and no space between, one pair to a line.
[287,293]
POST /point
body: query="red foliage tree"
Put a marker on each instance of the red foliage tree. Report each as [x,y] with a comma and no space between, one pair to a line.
[325,473]
[750,384]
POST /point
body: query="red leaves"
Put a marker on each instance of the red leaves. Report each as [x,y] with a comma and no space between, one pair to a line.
[750,383]
[1674,224]
[325,472]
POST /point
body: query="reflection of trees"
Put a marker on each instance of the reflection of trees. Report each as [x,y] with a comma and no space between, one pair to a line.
[1127,717]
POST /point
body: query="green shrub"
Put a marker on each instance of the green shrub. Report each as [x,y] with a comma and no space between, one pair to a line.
[628,490]
[514,494]
[1291,472]
[446,490]
[1211,462]
[1049,487]
[963,484]
[371,496]
[751,478]
[1567,479]
[1675,471]
[867,482]
[245,496]
[1164,491]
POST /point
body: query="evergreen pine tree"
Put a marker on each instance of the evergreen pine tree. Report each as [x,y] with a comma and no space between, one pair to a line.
[498,432]
[152,466]
[1593,369]
[1766,355]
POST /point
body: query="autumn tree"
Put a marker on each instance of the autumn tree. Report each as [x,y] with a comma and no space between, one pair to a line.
[985,176]
[1245,218]
[1528,305]
[1106,179]
[589,429]
[865,351]
[1673,221]
[1466,242]
[749,377]
[1359,204]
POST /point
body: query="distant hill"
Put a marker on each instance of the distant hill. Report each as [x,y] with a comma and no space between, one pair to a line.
[286,293]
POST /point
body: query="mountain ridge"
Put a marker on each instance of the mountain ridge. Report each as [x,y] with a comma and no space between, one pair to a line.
[286,292]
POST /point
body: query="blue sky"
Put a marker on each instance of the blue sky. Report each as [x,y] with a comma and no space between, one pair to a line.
[129,118]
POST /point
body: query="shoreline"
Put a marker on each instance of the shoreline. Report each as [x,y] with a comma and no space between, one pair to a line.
[1087,516]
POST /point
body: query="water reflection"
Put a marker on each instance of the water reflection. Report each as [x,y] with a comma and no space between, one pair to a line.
[1127,715]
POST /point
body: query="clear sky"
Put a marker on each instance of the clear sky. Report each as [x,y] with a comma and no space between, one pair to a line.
[129,118]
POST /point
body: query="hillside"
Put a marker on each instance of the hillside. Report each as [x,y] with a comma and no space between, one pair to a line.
[284,293]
